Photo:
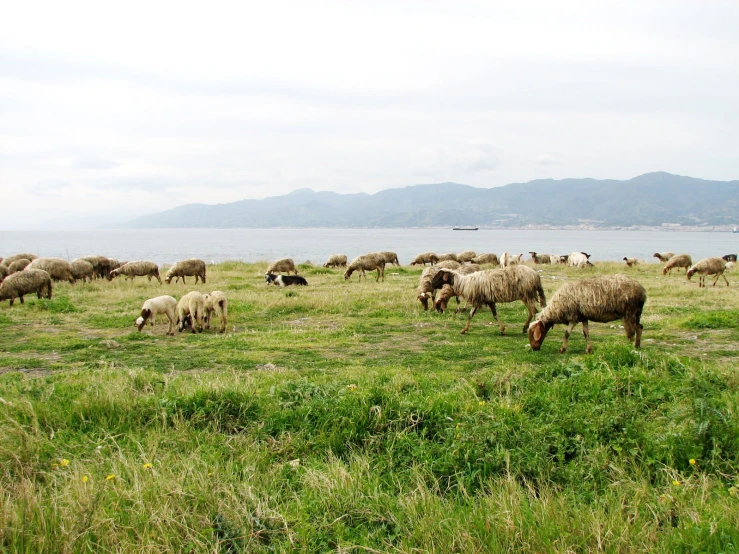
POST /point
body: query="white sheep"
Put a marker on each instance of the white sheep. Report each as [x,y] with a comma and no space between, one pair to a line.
[193,305]
[678,261]
[137,269]
[424,258]
[153,307]
[186,268]
[663,256]
[709,266]
[578,259]
[216,303]
[285,265]
[336,260]
[368,262]
[508,260]
[600,299]
[489,287]
[390,258]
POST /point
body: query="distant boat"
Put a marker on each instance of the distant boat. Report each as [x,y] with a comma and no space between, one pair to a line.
[465,228]
[736,230]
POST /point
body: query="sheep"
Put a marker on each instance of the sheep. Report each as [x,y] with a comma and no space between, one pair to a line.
[285,265]
[663,256]
[3,272]
[192,267]
[466,256]
[709,266]
[192,304]
[680,260]
[730,257]
[59,269]
[115,264]
[449,257]
[540,258]
[82,269]
[563,259]
[368,262]
[600,299]
[136,269]
[730,266]
[429,257]
[485,259]
[507,284]
[336,260]
[507,260]
[153,307]
[7,261]
[445,295]
[216,303]
[630,262]
[425,288]
[390,258]
[17,265]
[578,259]
[26,282]
[101,265]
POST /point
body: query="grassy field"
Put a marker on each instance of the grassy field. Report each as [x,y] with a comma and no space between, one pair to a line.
[340,417]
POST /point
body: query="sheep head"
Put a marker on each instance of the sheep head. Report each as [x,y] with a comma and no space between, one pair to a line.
[141,321]
[424,299]
[690,272]
[537,333]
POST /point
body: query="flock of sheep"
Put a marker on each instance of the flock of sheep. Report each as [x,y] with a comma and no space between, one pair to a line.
[601,299]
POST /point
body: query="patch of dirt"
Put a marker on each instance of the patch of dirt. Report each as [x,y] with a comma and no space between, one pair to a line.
[34,372]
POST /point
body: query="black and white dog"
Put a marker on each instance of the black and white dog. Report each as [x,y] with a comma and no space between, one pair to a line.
[285,280]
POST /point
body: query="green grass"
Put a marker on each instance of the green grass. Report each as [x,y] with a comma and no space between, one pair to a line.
[341,417]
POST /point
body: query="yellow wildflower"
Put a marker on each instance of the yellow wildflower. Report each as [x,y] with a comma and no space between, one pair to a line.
[110,477]
[146,466]
[676,483]
[459,425]
[85,478]
[692,461]
[481,402]
[351,387]
[458,435]
[64,462]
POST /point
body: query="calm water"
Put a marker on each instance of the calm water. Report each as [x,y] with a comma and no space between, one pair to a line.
[251,245]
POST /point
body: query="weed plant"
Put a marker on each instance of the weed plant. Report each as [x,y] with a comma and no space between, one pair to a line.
[341,417]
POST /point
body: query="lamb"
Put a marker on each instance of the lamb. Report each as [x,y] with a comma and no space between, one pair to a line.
[709,266]
[137,269]
[193,305]
[59,269]
[507,260]
[663,256]
[425,288]
[631,262]
[540,258]
[445,295]
[507,284]
[600,299]
[390,258]
[449,257]
[153,307]
[26,282]
[192,267]
[680,260]
[216,303]
[7,261]
[579,259]
[17,265]
[336,260]
[466,256]
[285,265]
[82,269]
[730,257]
[368,262]
[485,259]
[429,257]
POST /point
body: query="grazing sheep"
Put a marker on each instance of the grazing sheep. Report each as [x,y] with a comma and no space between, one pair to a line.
[730,257]
[709,266]
[153,307]
[186,268]
[136,269]
[7,261]
[26,282]
[115,264]
[630,262]
[216,303]
[486,259]
[489,287]
[507,260]
[59,269]
[445,295]
[17,265]
[192,304]
[678,261]
[285,265]
[600,299]
[425,289]
[3,272]
[101,265]
[82,269]
[336,260]
[429,257]
[448,257]
[368,262]
[466,256]
[578,259]
[390,258]
[540,258]
[663,256]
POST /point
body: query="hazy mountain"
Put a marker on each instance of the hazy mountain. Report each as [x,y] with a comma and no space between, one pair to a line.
[650,199]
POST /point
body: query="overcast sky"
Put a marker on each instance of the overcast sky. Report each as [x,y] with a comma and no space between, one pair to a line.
[114,109]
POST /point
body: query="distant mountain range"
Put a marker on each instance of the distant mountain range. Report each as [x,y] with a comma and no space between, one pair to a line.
[652,199]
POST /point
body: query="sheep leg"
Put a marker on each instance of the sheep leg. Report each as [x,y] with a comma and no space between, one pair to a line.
[639,329]
[532,312]
[568,332]
[586,332]
[725,279]
[185,282]
[469,320]
[491,305]
[170,329]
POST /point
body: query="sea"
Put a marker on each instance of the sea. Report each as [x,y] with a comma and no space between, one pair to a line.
[166,246]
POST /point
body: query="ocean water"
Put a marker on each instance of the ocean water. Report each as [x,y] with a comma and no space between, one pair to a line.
[251,245]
